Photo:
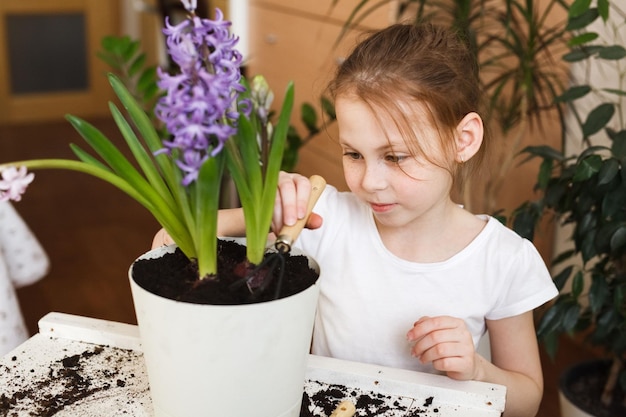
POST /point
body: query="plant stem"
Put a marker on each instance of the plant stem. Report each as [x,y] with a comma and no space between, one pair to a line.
[611,382]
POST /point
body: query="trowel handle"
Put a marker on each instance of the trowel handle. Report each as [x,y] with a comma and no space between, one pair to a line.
[289,234]
[344,409]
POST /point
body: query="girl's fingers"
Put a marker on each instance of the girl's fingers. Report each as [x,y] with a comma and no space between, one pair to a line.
[161,238]
[446,343]
[292,198]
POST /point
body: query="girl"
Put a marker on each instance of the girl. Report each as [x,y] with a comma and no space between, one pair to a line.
[409,278]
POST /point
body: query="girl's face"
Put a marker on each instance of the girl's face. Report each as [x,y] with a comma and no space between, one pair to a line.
[401,189]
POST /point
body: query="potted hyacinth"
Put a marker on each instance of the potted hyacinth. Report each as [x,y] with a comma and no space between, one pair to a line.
[245,356]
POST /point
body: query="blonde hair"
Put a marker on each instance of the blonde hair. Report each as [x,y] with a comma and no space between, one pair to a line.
[424,66]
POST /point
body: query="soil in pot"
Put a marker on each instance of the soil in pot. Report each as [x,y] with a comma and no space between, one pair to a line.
[582,384]
[175,277]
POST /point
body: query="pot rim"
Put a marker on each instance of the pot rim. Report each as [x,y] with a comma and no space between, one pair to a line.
[165,249]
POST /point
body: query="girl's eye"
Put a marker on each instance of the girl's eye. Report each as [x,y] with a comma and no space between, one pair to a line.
[352,155]
[396,159]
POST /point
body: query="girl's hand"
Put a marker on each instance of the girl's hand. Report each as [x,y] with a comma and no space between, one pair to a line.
[447,343]
[291,202]
[161,238]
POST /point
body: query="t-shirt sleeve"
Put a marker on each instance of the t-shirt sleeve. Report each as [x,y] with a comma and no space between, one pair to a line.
[528,284]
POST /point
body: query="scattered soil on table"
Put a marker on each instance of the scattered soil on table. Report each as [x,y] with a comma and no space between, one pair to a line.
[68,381]
[322,402]
[175,277]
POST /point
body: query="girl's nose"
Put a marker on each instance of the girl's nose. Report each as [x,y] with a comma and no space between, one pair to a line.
[374,177]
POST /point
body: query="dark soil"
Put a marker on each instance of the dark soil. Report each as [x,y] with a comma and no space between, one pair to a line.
[99,372]
[320,399]
[586,389]
[175,277]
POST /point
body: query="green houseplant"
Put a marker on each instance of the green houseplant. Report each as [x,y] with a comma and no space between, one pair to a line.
[585,191]
[215,121]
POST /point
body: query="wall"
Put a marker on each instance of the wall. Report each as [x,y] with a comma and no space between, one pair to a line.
[295,40]
[62,74]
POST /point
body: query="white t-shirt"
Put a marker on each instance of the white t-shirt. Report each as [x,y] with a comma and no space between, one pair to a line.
[369,298]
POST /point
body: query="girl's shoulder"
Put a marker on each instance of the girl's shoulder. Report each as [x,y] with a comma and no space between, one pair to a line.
[500,234]
[506,246]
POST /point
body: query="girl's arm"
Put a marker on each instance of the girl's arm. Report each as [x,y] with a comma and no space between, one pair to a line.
[229,223]
[447,343]
[515,363]
[291,202]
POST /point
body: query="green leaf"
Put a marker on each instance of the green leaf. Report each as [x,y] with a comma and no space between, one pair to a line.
[591,150]
[107,151]
[551,320]
[576,55]
[586,224]
[524,222]
[257,195]
[561,278]
[207,197]
[166,166]
[613,202]
[544,151]
[131,49]
[582,39]
[574,93]
[598,293]
[137,64]
[587,168]
[110,60]
[608,171]
[147,79]
[583,20]
[309,117]
[598,118]
[603,9]
[618,240]
[606,323]
[578,284]
[579,7]
[107,42]
[551,344]
[143,158]
[88,158]
[588,247]
[615,91]
[570,317]
[618,147]
[545,173]
[613,52]
[328,108]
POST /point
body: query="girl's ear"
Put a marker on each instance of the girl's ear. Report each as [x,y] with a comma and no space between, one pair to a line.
[470,132]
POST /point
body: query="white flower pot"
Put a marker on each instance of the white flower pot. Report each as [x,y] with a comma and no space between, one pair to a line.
[225,360]
[568,409]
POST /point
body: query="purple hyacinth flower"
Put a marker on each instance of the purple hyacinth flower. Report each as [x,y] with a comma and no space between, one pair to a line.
[199,108]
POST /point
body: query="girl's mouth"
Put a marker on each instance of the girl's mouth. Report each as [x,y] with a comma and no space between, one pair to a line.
[381,208]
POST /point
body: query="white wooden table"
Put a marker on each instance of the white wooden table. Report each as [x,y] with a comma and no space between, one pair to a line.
[78,366]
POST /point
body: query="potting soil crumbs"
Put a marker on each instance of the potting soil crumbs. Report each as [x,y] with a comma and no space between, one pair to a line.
[70,378]
[320,399]
[96,380]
